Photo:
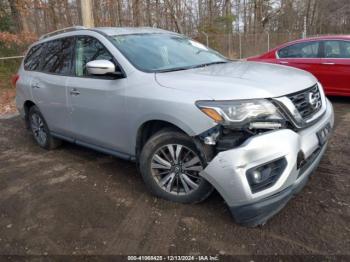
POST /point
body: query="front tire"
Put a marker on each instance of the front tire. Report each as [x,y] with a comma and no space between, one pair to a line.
[40,130]
[170,165]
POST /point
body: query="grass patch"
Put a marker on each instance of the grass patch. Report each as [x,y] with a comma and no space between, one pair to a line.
[7,69]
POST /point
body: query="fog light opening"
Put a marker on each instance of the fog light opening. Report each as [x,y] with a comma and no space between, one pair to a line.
[300,159]
[264,176]
[256,175]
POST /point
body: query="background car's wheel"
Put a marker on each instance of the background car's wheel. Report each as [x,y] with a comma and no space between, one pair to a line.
[40,130]
[170,165]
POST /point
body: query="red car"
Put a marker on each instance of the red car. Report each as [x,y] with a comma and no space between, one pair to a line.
[327,58]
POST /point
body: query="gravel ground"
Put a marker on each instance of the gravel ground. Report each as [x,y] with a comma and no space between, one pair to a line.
[76,201]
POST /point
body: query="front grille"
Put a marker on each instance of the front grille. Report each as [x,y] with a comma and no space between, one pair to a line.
[308,102]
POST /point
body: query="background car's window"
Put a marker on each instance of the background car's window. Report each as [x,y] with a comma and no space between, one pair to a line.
[59,56]
[336,49]
[300,50]
[32,60]
[89,49]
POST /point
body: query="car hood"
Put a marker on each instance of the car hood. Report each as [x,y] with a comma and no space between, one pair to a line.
[238,80]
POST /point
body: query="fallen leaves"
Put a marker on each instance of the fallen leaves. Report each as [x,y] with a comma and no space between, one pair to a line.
[9,40]
[7,101]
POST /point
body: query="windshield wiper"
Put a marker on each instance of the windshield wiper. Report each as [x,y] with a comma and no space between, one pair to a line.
[212,63]
[190,67]
[173,69]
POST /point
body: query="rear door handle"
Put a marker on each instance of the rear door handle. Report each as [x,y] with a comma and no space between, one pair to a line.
[328,63]
[283,62]
[74,92]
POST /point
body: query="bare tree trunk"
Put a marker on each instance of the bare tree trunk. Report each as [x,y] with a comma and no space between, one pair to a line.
[67,12]
[130,13]
[245,21]
[119,11]
[86,13]
[238,15]
[157,13]
[228,17]
[148,13]
[51,4]
[174,17]
[18,15]
[210,12]
[136,12]
[15,15]
[312,22]
[37,15]
[112,10]
[200,12]
[80,19]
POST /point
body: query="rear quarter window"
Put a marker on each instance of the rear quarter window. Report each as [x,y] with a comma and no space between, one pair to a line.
[32,60]
[336,49]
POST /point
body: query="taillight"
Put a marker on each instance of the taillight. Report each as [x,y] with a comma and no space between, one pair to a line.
[14,79]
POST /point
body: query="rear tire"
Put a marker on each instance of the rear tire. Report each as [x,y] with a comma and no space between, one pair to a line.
[40,130]
[170,165]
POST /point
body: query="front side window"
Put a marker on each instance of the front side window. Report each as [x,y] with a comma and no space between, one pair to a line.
[59,56]
[336,49]
[89,49]
[300,50]
[32,60]
[164,52]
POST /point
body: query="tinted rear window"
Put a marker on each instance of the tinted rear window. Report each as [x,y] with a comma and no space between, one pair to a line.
[59,56]
[32,60]
[336,49]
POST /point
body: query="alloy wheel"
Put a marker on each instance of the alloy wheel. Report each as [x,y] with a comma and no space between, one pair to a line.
[38,128]
[176,169]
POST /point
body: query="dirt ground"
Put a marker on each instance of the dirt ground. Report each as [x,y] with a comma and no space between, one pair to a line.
[76,201]
[7,101]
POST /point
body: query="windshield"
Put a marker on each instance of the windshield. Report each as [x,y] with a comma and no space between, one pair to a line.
[165,52]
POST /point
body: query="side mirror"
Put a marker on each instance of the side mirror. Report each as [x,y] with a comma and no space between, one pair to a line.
[100,67]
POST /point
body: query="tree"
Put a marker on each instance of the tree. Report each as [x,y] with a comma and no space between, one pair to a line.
[18,15]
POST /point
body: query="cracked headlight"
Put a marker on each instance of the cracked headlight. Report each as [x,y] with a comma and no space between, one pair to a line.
[255,114]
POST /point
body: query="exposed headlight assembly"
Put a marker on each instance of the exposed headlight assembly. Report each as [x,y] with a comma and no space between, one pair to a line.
[254,114]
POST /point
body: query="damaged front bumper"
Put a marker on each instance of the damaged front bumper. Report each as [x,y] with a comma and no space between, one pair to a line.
[227,172]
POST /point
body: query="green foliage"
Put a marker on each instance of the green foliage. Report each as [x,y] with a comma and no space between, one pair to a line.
[225,20]
[8,51]
[11,45]
[221,25]
[7,69]
[6,23]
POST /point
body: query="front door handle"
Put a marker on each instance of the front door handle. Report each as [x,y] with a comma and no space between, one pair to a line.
[283,62]
[328,63]
[74,92]
[35,85]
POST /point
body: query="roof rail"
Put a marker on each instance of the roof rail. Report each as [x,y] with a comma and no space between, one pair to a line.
[63,30]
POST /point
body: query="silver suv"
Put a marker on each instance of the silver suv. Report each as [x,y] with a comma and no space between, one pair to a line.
[191,119]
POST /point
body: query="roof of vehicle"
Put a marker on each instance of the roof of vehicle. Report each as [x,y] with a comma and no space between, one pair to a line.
[130,30]
[315,38]
[302,40]
[325,37]
[103,30]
